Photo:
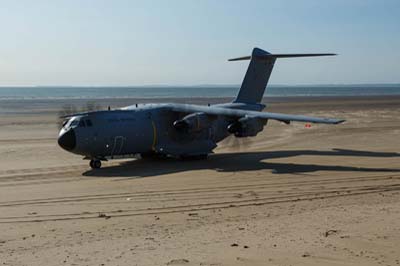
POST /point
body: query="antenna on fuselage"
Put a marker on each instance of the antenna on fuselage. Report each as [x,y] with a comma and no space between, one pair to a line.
[109,108]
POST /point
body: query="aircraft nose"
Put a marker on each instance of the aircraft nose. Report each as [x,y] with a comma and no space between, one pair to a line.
[67,140]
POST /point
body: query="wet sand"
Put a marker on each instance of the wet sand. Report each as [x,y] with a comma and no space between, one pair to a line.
[292,195]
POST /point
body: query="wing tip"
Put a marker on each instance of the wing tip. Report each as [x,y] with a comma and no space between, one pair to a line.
[339,121]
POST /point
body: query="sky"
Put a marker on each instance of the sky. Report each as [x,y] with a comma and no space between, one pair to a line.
[188,42]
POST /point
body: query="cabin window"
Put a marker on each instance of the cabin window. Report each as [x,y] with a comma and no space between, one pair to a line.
[81,123]
[88,123]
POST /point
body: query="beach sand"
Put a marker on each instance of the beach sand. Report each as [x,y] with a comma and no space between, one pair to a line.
[293,195]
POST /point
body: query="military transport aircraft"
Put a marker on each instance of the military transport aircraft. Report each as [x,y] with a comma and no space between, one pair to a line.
[178,130]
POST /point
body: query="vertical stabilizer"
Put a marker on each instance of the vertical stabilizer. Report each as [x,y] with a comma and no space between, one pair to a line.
[258,73]
[256,78]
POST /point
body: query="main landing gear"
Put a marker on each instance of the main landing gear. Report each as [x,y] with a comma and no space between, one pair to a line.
[95,164]
[194,157]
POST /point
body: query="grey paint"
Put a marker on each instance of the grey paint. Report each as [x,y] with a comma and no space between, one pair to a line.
[178,129]
[256,78]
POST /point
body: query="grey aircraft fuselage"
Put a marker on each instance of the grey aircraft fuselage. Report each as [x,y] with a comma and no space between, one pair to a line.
[178,130]
[139,129]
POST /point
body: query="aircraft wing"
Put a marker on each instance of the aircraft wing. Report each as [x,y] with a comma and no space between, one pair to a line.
[219,111]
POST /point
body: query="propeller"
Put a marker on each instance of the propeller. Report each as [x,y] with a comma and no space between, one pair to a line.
[181,125]
[238,143]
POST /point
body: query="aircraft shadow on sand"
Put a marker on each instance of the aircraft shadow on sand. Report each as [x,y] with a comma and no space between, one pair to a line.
[245,161]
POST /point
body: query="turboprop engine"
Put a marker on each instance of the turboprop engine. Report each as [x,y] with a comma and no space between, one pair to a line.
[247,126]
[193,122]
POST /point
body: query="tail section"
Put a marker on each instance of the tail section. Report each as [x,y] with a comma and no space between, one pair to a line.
[258,73]
[256,78]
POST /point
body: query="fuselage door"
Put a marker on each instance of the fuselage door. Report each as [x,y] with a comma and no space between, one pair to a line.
[117,146]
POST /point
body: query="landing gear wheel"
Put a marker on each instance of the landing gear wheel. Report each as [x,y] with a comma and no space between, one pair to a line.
[95,164]
[153,156]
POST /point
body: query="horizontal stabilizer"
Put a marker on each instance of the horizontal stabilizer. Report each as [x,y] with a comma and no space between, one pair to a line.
[270,56]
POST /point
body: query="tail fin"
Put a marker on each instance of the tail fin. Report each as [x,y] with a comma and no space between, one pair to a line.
[258,73]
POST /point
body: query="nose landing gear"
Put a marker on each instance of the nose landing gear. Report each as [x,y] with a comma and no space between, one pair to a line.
[95,164]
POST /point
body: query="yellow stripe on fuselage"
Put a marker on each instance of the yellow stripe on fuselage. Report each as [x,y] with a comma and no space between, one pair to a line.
[153,145]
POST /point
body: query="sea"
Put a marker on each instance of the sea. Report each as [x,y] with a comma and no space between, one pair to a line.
[206,91]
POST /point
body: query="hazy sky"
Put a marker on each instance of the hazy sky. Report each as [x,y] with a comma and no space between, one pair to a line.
[76,42]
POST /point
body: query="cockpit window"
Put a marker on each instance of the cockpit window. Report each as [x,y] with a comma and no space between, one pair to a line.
[74,123]
[65,122]
[77,122]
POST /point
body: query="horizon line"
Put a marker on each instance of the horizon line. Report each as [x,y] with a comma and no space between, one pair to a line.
[195,85]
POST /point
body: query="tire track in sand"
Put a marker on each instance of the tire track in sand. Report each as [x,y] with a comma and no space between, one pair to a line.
[199,190]
[209,206]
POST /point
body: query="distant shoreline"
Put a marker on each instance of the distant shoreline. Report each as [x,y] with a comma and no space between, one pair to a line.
[49,106]
[203,85]
[167,92]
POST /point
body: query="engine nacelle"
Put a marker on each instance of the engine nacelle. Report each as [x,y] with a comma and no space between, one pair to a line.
[193,122]
[247,126]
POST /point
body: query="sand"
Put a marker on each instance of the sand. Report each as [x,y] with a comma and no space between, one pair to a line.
[325,195]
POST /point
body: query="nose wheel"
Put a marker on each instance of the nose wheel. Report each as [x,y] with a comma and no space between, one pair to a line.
[95,164]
